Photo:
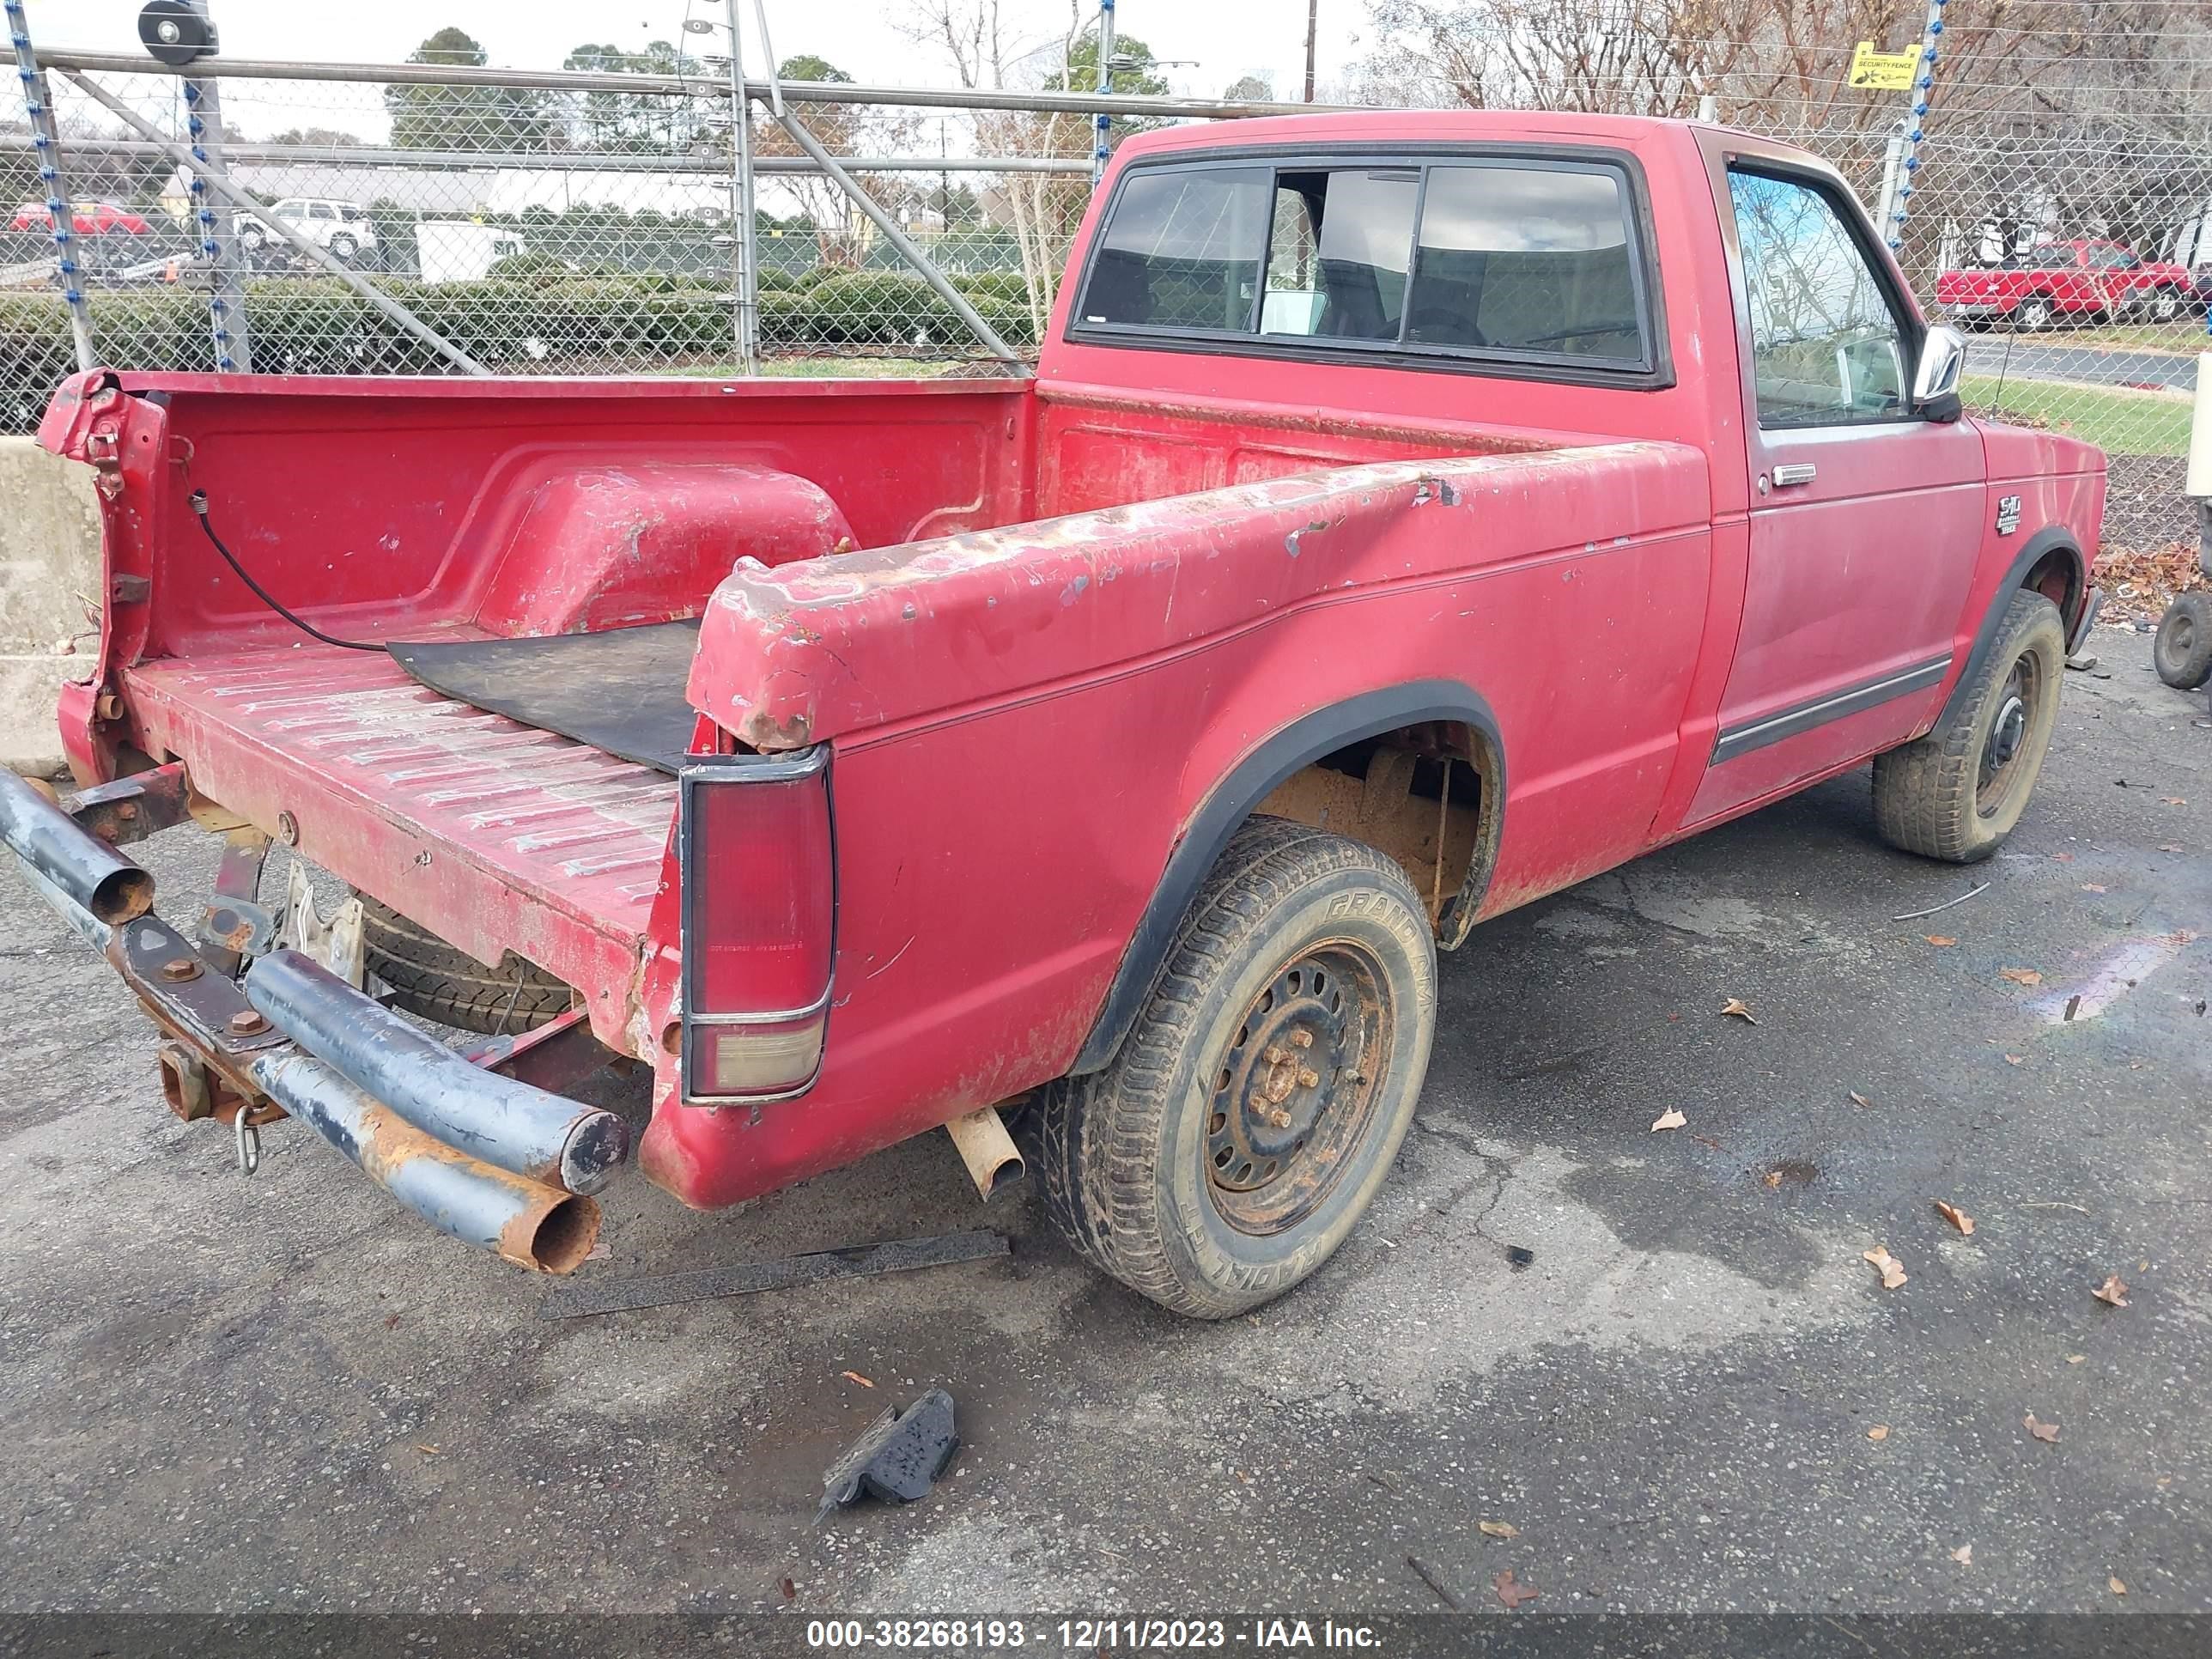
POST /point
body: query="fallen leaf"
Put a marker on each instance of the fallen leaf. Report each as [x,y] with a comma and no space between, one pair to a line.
[1740,1010]
[1498,1530]
[426,1448]
[1942,941]
[1774,1178]
[2015,1059]
[790,1590]
[2063,858]
[1242,1476]
[2092,887]
[1957,1217]
[2075,1358]
[2116,1587]
[1858,1099]
[2047,1433]
[855,1377]
[2020,976]
[1891,1269]
[2111,1292]
[2169,847]
[2173,800]
[1671,1118]
[1879,1431]
[1513,1595]
[1964,1555]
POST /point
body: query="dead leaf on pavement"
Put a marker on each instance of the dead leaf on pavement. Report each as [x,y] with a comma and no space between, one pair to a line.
[2173,800]
[1891,1269]
[1942,941]
[2116,1587]
[1498,1530]
[1512,1594]
[2020,976]
[1858,1099]
[1957,1217]
[2075,1358]
[1672,1118]
[2015,1059]
[2169,847]
[2092,887]
[1879,1431]
[1964,1555]
[426,1448]
[2111,1292]
[855,1377]
[2047,1433]
[1741,1010]
[1773,1179]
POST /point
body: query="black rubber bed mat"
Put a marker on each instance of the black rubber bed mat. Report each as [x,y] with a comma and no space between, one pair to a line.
[621,689]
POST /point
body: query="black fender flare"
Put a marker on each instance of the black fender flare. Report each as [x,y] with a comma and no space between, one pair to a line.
[2039,546]
[1296,746]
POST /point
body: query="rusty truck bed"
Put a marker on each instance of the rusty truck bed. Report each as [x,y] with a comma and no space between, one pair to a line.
[401,791]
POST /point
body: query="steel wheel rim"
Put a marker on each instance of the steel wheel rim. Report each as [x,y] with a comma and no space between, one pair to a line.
[2181,637]
[2009,735]
[1297,1088]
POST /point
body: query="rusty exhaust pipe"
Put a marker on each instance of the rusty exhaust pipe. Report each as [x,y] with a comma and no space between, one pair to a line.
[993,1161]
[525,1222]
[94,876]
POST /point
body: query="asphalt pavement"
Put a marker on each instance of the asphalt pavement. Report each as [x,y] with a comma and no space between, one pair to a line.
[284,1394]
[2031,357]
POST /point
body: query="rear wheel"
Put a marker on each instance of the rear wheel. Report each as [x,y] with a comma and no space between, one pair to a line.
[343,247]
[429,977]
[2034,314]
[1957,792]
[2183,650]
[2165,306]
[1257,1104]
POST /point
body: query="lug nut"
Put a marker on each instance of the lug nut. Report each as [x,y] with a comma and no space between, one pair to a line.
[248,1022]
[1302,1038]
[1307,1076]
[177,970]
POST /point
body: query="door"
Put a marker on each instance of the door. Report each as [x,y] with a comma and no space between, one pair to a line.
[1865,518]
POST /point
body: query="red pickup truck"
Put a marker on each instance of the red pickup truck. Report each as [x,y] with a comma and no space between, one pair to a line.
[1410,515]
[2084,282]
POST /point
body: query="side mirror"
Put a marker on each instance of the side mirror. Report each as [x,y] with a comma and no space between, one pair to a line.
[1935,385]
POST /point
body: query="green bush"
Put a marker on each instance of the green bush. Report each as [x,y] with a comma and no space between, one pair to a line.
[1008,285]
[535,266]
[892,308]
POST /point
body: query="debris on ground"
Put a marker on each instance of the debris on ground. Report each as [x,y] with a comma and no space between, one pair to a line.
[2046,1433]
[1498,1530]
[855,1377]
[2116,1587]
[897,1459]
[1964,1555]
[1519,1255]
[1672,1118]
[1957,1217]
[1740,1010]
[2140,583]
[1513,1593]
[862,1261]
[1891,1269]
[1858,1099]
[2020,976]
[1915,915]
[1432,1575]
[1879,1433]
[2113,1293]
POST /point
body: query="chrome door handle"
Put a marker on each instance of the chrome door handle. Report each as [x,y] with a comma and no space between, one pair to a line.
[1798,472]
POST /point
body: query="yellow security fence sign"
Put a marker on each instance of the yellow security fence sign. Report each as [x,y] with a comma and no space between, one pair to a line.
[1892,71]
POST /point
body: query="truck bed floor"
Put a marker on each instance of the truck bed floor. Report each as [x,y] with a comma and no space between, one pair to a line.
[544,817]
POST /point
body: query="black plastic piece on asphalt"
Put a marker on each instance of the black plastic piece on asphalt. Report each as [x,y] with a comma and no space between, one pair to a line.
[897,1460]
[863,1261]
[1519,1255]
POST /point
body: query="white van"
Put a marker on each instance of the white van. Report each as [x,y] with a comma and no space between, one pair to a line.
[460,250]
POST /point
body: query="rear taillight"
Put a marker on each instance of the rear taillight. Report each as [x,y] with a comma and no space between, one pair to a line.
[760,904]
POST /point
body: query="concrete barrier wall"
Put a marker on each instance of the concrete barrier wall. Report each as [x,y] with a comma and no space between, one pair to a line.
[49,574]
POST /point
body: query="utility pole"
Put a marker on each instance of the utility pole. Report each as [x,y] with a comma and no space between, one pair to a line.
[1313,21]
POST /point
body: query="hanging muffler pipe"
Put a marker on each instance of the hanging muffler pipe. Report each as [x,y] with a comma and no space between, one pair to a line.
[993,1161]
[95,877]
[525,1222]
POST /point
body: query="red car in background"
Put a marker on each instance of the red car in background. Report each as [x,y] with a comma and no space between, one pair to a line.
[90,219]
[2081,280]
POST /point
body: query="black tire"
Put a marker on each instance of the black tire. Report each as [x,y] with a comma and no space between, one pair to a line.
[2165,306]
[2182,652]
[2034,314]
[1140,1165]
[1956,793]
[429,977]
[343,248]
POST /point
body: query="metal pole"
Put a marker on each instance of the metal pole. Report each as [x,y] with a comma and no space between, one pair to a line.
[217,224]
[319,156]
[1313,25]
[743,246]
[1914,129]
[38,102]
[221,183]
[924,267]
[1102,125]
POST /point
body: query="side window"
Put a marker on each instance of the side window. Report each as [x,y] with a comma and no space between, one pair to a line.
[1340,253]
[1182,250]
[1827,349]
[318,210]
[1531,259]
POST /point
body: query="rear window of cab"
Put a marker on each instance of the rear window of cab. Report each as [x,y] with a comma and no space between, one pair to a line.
[1481,261]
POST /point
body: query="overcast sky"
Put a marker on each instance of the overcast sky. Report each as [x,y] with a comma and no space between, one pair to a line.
[1227,38]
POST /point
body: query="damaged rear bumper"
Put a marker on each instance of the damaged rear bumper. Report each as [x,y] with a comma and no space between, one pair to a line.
[484,1157]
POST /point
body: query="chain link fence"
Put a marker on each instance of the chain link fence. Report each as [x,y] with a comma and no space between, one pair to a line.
[2054,176]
